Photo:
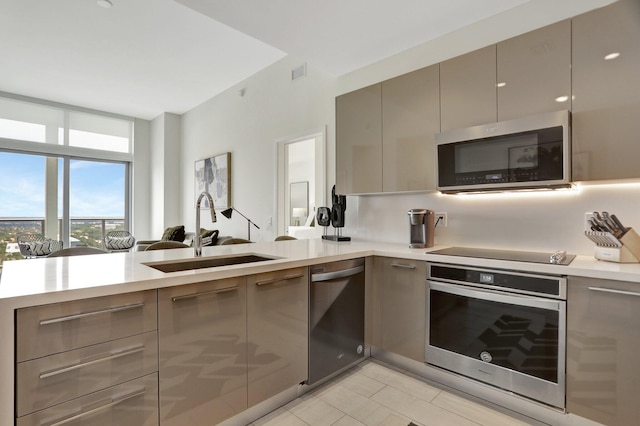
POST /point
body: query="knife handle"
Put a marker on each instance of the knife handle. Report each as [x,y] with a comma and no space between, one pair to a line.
[619,225]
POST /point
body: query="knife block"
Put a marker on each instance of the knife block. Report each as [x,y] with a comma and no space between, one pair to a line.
[628,252]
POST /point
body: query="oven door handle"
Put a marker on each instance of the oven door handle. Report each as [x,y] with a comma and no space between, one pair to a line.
[497,296]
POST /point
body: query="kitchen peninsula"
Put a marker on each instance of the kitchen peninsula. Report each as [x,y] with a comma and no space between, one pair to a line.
[31,283]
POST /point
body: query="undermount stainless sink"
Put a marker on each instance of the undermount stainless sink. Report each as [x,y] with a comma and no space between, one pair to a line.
[206,262]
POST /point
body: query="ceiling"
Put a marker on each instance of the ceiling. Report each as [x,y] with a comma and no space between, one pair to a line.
[144,57]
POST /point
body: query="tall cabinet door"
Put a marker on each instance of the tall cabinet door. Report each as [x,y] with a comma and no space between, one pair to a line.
[606,92]
[410,120]
[278,330]
[603,342]
[203,346]
[359,141]
[534,72]
[468,89]
[401,287]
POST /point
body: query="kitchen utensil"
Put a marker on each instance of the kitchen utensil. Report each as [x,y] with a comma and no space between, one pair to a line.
[619,224]
[603,239]
[614,241]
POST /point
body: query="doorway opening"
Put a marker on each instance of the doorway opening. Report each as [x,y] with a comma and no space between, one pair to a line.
[301,184]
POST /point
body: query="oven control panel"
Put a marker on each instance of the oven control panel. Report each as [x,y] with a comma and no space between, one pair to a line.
[517,282]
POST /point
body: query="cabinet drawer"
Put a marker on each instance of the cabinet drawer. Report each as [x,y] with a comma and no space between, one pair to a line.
[277,332]
[57,378]
[60,327]
[202,331]
[603,341]
[131,403]
[403,302]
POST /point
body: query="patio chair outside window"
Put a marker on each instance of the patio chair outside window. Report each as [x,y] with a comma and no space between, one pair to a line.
[116,241]
[36,245]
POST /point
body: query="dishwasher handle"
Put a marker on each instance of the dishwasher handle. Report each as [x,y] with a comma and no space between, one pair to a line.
[328,276]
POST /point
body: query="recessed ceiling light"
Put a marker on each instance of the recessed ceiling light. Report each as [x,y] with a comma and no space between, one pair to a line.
[501,84]
[562,99]
[105,3]
[611,56]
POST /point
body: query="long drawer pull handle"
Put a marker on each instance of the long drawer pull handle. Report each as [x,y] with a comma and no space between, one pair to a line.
[204,293]
[111,356]
[110,404]
[400,265]
[611,290]
[90,314]
[277,280]
[344,273]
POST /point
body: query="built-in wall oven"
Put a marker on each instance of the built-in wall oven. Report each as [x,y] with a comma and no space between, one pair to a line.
[504,328]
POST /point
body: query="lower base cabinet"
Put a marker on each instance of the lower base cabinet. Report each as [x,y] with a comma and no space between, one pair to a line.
[277,327]
[202,351]
[603,342]
[401,306]
[131,403]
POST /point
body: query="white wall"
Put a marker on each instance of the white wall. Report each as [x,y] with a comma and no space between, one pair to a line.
[274,107]
[166,198]
[536,221]
[141,194]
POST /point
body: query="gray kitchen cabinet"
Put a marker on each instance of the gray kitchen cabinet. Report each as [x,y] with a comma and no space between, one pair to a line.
[84,361]
[468,89]
[359,141]
[401,296]
[277,332]
[59,327]
[603,341]
[131,403]
[534,72]
[202,352]
[410,120]
[606,93]
[57,378]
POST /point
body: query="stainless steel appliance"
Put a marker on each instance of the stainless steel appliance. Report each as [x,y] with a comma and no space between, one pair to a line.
[559,257]
[501,327]
[336,323]
[421,228]
[525,153]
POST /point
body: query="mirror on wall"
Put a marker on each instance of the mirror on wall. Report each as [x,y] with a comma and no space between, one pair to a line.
[299,202]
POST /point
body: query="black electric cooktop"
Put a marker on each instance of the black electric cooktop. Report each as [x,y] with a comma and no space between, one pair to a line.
[517,256]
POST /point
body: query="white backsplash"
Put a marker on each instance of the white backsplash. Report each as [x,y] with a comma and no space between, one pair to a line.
[532,221]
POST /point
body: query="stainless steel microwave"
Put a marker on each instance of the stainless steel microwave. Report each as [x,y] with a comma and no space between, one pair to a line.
[525,153]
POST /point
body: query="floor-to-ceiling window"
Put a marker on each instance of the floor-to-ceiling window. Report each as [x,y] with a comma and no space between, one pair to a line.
[64,173]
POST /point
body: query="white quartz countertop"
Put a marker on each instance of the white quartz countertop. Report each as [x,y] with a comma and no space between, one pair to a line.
[39,281]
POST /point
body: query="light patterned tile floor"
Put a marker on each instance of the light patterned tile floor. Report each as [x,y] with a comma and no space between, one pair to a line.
[373,394]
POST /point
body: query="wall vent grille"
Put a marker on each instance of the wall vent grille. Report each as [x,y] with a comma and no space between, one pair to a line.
[299,72]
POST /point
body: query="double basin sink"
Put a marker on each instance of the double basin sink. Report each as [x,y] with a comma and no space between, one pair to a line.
[206,262]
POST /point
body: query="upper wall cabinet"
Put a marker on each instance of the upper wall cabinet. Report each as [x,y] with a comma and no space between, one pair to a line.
[359,141]
[410,120]
[385,135]
[534,72]
[468,89]
[606,93]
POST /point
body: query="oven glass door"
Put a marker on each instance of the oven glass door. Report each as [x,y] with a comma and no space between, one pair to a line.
[519,333]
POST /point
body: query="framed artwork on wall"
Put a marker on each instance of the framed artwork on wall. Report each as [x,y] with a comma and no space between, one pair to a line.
[213,175]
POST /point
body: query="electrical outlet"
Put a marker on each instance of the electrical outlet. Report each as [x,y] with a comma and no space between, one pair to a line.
[440,219]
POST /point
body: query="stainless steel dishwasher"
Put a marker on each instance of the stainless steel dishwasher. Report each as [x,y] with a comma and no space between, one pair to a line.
[336,317]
